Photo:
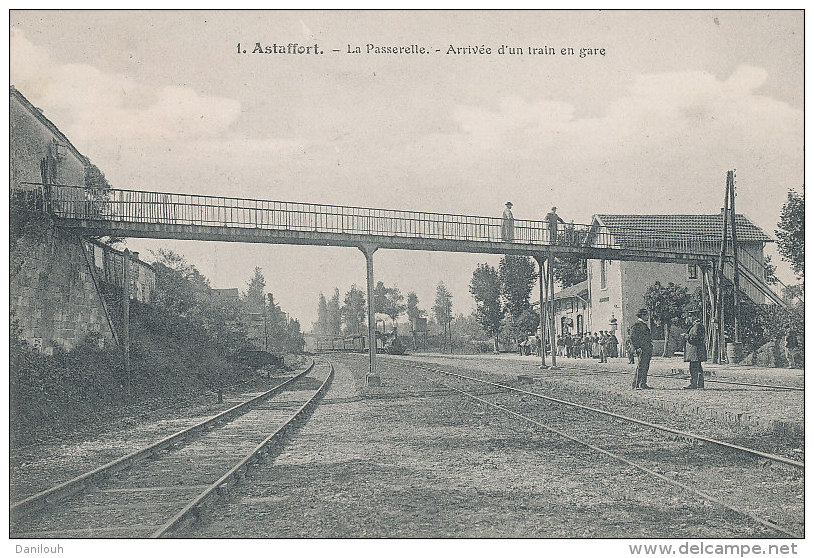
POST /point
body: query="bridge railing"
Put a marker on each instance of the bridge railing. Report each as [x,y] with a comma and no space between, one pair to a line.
[135,206]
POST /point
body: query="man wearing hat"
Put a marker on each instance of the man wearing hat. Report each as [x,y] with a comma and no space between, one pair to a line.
[553,221]
[507,229]
[695,351]
[642,341]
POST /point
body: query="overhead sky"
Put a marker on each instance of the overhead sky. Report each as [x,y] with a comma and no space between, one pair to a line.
[164,101]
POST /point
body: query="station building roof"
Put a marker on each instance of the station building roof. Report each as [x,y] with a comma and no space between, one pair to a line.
[631,230]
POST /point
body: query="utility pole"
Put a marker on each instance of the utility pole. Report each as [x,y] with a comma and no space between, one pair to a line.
[126,315]
[719,294]
[730,185]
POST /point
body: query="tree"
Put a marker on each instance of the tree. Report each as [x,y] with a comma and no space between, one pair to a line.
[255,296]
[179,285]
[794,295]
[395,303]
[570,269]
[443,312]
[388,300]
[275,324]
[791,234]
[666,304]
[413,311]
[485,287]
[296,340]
[96,191]
[321,327]
[769,270]
[354,310]
[517,278]
[334,315]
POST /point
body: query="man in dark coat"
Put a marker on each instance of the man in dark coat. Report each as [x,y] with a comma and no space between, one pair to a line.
[613,344]
[553,221]
[695,351]
[642,341]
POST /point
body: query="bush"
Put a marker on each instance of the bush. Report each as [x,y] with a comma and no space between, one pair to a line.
[170,359]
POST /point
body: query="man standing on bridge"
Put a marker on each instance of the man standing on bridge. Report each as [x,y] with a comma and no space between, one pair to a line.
[642,341]
[507,229]
[553,221]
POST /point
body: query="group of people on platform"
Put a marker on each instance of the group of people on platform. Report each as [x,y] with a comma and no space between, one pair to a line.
[601,345]
[639,348]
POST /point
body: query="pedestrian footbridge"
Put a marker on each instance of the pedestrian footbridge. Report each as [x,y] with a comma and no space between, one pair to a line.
[143,214]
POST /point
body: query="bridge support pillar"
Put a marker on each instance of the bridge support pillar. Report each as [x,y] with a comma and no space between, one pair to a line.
[543,302]
[372,379]
[552,328]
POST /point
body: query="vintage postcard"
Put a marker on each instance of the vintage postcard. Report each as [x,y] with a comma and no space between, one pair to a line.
[432,274]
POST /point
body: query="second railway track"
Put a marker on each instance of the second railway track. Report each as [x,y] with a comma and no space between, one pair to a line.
[155,491]
[673,459]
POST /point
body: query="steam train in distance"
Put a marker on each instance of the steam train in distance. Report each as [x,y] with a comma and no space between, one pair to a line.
[385,343]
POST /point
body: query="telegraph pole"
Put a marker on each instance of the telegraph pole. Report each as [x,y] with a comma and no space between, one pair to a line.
[719,294]
[730,185]
[126,315]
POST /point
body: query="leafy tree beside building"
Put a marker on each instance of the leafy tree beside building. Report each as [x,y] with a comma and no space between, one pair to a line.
[485,287]
[517,278]
[666,304]
[570,269]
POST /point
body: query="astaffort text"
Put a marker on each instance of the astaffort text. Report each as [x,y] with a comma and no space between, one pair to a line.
[473,50]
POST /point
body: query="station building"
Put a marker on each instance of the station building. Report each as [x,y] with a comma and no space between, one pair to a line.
[616,288]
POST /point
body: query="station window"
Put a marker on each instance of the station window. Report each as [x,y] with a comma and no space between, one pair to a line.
[692,271]
[603,278]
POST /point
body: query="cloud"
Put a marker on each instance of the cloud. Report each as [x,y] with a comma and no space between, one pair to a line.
[95,107]
[657,107]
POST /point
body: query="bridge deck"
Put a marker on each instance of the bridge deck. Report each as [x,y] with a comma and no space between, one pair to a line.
[134,213]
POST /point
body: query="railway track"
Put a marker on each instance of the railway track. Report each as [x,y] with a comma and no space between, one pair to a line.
[155,491]
[631,446]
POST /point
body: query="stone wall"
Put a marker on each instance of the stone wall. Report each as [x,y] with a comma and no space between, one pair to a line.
[51,291]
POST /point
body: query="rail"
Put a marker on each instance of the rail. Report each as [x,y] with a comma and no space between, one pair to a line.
[145,207]
[82,482]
